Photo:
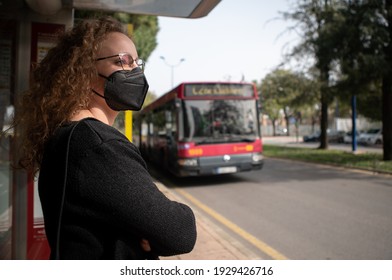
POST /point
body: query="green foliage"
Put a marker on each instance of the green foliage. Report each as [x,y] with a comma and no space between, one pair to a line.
[318,22]
[362,54]
[145,31]
[351,45]
[283,90]
[145,28]
[347,39]
[370,105]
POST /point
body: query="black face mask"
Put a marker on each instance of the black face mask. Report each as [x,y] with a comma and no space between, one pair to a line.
[125,90]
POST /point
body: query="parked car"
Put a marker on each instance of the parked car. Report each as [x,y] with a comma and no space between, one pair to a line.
[314,137]
[335,136]
[332,135]
[371,137]
[348,137]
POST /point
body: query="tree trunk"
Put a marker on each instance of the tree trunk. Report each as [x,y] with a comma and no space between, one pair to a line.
[324,121]
[273,127]
[387,118]
[287,118]
[387,91]
[324,76]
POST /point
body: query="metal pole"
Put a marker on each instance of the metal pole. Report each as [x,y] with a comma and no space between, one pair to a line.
[354,126]
[172,66]
[172,76]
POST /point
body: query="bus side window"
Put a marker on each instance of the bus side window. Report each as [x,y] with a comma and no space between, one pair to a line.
[169,120]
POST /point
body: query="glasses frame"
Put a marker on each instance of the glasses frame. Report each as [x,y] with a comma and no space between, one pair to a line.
[139,62]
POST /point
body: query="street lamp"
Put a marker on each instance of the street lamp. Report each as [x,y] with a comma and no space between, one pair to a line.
[172,66]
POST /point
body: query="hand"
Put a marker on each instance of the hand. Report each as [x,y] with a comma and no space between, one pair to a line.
[145,245]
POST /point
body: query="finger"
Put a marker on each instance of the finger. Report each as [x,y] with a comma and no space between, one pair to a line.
[145,245]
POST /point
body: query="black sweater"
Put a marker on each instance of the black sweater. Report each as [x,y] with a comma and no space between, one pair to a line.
[111,202]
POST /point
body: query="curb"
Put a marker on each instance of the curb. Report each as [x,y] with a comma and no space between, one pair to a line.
[212,243]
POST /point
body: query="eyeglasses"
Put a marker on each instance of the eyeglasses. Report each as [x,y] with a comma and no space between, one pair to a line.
[126,60]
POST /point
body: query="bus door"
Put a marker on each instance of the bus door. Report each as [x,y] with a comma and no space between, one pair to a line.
[171,136]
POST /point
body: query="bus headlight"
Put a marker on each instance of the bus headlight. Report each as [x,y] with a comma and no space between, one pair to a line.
[187,162]
[257,157]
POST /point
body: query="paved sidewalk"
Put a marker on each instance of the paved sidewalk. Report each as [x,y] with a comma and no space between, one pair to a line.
[213,243]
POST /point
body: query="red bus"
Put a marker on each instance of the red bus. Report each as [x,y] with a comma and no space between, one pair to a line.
[203,128]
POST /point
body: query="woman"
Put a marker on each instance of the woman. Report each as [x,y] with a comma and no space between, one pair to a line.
[98,199]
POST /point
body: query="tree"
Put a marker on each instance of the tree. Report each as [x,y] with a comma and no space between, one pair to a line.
[284,90]
[352,40]
[270,106]
[366,59]
[318,22]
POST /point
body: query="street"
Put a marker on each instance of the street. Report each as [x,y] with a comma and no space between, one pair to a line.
[296,210]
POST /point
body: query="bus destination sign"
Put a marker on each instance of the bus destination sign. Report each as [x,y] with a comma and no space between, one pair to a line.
[219,90]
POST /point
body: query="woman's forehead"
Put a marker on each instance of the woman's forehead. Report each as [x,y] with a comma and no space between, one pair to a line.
[115,43]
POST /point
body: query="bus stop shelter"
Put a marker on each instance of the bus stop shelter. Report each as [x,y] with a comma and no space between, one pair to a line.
[27,32]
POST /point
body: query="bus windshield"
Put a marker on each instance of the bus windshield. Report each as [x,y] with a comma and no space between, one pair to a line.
[220,121]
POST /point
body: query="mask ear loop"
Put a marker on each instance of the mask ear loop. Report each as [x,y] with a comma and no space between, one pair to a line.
[100,95]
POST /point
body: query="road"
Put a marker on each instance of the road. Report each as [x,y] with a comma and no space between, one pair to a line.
[298,210]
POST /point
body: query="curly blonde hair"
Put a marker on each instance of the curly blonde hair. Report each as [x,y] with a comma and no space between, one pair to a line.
[60,86]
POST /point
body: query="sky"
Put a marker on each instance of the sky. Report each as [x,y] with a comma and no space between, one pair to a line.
[238,39]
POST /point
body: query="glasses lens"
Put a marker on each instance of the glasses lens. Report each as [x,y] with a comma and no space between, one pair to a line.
[126,59]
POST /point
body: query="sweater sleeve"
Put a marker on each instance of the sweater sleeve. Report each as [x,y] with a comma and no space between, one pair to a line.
[121,193]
